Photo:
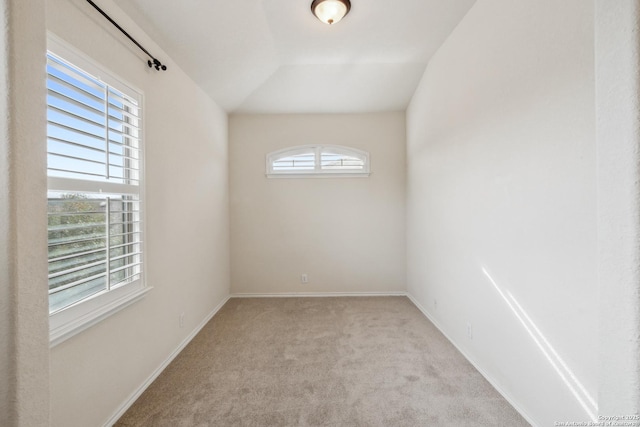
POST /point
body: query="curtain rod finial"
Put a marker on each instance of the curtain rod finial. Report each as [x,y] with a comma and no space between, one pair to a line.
[157,65]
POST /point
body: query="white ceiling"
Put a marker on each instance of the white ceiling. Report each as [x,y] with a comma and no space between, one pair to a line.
[274,56]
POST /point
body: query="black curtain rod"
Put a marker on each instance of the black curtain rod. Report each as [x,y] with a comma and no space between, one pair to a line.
[153,62]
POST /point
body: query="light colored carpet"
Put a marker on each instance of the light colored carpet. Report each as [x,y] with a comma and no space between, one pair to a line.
[320,362]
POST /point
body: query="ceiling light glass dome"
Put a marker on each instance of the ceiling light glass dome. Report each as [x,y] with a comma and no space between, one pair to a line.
[330,11]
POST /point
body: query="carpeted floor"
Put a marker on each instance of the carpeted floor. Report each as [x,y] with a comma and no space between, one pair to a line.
[320,362]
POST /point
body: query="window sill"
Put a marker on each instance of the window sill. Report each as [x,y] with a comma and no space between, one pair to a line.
[318,175]
[81,316]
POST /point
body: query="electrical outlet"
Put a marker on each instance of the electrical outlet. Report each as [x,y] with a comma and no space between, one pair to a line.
[304,278]
[181,320]
[469,331]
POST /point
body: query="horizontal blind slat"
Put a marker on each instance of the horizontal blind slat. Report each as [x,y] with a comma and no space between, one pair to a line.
[127,255]
[74,129]
[75,269]
[76,255]
[125,124]
[74,239]
[116,270]
[58,266]
[124,234]
[76,172]
[74,89]
[59,96]
[75,227]
[74,284]
[116,97]
[126,244]
[75,144]
[75,116]
[61,66]
[60,99]
[124,133]
[127,279]
[84,159]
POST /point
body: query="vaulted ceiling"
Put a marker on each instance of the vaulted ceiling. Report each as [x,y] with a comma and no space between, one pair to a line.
[274,56]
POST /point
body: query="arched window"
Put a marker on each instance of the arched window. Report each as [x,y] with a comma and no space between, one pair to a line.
[318,161]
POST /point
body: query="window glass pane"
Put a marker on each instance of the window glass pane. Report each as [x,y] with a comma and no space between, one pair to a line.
[296,162]
[337,161]
[77,247]
[92,129]
[87,231]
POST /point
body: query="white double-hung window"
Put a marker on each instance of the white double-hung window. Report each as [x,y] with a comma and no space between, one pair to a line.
[94,169]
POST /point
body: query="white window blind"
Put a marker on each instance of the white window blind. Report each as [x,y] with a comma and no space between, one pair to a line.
[318,161]
[341,160]
[93,129]
[295,162]
[94,174]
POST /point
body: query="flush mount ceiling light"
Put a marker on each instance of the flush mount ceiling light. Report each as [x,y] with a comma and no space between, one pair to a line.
[330,11]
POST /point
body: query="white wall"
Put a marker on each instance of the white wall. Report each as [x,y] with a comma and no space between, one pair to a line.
[347,234]
[187,261]
[24,355]
[618,107]
[502,201]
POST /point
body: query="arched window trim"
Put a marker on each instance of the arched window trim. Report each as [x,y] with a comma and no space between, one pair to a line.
[318,171]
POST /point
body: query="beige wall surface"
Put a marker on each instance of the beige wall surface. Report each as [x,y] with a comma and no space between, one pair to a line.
[347,234]
[24,328]
[502,201]
[187,258]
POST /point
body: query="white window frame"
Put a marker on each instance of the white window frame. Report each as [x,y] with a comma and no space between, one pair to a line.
[317,171]
[83,314]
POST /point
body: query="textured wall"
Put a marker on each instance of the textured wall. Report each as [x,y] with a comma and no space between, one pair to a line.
[502,201]
[186,206]
[347,234]
[618,109]
[24,337]
[6,332]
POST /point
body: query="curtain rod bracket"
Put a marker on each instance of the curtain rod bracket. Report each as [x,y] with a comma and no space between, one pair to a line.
[153,62]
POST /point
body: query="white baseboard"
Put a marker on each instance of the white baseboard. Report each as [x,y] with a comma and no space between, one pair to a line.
[130,401]
[319,294]
[485,374]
